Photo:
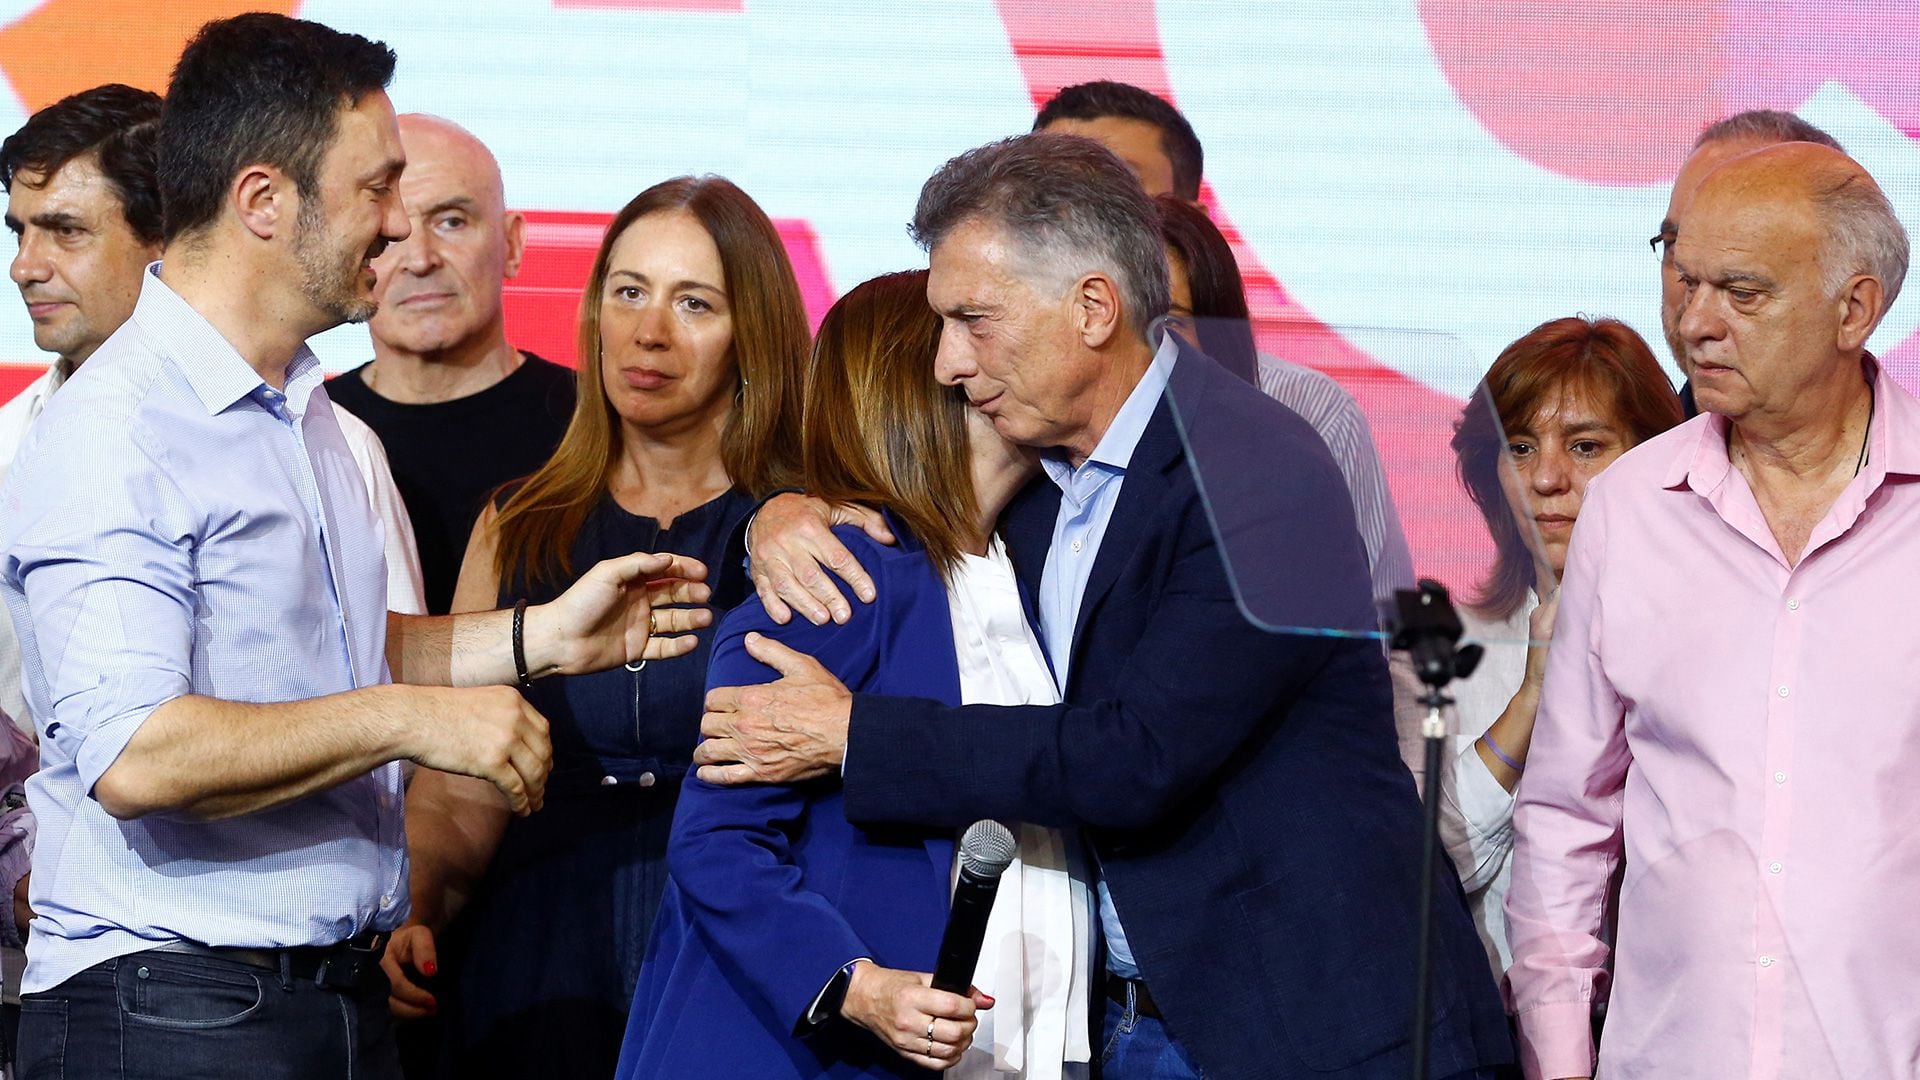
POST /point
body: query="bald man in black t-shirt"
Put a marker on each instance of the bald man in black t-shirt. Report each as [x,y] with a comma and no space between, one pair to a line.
[460,411]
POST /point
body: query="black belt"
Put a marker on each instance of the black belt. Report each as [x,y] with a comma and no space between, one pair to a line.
[1142,1000]
[348,965]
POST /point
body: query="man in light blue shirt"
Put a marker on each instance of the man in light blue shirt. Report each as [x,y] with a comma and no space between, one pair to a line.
[1088,494]
[189,557]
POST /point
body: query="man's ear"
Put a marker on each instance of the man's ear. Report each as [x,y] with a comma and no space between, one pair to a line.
[263,198]
[516,229]
[1096,301]
[1862,301]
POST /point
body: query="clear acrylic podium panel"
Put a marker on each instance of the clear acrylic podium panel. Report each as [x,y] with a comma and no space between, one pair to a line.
[1456,496]
[1461,504]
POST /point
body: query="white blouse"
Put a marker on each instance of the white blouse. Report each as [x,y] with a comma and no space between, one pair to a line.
[1476,813]
[1038,956]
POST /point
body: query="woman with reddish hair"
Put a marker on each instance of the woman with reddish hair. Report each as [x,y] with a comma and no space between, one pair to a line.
[1570,397]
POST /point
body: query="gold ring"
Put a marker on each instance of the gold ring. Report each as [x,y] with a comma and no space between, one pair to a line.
[653,626]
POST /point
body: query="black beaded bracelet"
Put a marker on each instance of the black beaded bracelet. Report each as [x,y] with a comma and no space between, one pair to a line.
[520,644]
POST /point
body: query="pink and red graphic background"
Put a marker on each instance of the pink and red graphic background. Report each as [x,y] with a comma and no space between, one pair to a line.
[1584,109]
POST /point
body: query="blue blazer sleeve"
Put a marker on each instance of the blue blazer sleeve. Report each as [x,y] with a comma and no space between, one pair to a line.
[1178,706]
[730,852]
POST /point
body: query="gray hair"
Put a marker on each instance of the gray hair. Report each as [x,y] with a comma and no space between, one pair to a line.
[1864,236]
[1766,126]
[1068,203]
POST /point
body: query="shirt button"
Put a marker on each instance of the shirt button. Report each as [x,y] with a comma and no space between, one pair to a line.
[1076,546]
[1766,961]
[386,901]
[609,781]
[1793,605]
[1774,868]
[1779,778]
[646,779]
[1782,691]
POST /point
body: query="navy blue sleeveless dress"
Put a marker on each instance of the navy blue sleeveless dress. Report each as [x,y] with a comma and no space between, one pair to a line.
[538,970]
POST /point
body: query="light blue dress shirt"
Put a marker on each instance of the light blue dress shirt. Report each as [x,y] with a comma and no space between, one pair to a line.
[176,526]
[1088,495]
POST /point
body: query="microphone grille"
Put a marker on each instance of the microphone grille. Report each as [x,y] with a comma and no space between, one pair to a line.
[986,849]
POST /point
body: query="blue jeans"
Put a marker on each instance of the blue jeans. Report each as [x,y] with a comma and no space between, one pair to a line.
[161,1016]
[1139,1048]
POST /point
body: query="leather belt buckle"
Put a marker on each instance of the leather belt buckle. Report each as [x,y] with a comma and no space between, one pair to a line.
[1143,1003]
[352,963]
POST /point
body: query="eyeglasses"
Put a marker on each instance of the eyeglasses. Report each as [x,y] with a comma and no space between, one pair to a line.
[1662,245]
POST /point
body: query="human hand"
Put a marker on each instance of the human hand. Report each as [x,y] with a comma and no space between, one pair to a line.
[489,732]
[791,539]
[410,952]
[614,615]
[930,1028]
[791,729]
[22,910]
[1540,635]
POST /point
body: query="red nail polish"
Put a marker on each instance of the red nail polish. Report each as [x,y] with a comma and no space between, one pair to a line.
[430,968]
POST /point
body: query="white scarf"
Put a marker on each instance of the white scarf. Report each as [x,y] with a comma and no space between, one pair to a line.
[1037,957]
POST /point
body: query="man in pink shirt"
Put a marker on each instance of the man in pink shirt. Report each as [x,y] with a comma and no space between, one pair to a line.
[1728,707]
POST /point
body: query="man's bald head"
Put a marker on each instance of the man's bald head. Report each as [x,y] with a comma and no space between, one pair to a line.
[440,290]
[1787,257]
[1732,136]
[440,143]
[1859,232]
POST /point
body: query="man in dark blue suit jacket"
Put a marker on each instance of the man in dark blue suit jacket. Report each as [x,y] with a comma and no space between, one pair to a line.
[1255,828]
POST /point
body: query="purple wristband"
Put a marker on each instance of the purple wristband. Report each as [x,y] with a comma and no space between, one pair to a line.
[1501,754]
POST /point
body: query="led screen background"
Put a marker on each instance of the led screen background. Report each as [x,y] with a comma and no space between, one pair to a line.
[1409,185]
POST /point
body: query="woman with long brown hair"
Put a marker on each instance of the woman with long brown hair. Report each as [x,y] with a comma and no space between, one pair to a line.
[692,337]
[792,943]
[1559,405]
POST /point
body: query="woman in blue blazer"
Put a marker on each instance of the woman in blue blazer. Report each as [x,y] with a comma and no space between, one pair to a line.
[790,942]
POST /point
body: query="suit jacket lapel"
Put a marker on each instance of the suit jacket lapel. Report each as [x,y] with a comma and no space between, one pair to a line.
[1027,523]
[1141,490]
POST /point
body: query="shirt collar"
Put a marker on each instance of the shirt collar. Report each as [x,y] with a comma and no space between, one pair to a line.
[1115,449]
[213,367]
[1893,438]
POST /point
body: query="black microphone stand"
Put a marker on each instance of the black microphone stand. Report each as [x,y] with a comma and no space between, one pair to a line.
[1428,629]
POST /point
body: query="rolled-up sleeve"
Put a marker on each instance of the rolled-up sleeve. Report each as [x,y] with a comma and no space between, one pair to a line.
[1567,826]
[1485,810]
[1476,813]
[102,558]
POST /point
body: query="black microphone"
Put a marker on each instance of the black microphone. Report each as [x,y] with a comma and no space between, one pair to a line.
[985,852]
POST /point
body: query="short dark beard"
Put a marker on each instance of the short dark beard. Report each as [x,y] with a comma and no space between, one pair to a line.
[323,282]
